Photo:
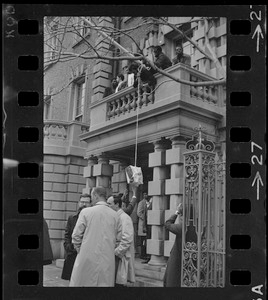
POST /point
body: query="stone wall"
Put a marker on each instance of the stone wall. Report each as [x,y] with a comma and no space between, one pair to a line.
[63,184]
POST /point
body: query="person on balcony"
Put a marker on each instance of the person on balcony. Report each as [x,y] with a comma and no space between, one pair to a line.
[122,83]
[172,277]
[161,59]
[70,256]
[181,57]
[124,251]
[110,89]
[146,75]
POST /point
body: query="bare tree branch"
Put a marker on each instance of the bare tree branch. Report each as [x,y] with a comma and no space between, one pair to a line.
[191,83]
[63,56]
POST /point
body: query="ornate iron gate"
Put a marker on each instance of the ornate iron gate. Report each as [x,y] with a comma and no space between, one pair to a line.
[203,233]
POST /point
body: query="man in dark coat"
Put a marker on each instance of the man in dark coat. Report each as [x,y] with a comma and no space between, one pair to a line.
[146,75]
[84,201]
[161,60]
[172,277]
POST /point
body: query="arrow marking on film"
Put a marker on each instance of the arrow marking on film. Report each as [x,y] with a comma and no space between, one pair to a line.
[259,180]
[258,31]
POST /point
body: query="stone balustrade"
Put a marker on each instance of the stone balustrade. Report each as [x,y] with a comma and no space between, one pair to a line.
[127,100]
[208,94]
[122,105]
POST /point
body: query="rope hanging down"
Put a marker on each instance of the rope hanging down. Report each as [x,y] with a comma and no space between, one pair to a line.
[137,119]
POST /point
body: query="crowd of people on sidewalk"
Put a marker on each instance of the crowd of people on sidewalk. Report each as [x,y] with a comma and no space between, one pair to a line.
[100,243]
[130,76]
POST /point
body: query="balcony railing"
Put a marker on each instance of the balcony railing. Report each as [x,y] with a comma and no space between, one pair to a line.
[127,100]
[123,104]
[209,94]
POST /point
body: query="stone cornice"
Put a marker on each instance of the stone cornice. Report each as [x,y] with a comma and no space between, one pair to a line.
[214,113]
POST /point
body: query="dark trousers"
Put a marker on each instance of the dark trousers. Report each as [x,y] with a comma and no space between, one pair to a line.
[143,246]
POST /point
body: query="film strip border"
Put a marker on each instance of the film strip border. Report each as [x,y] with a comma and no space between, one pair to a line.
[23,134]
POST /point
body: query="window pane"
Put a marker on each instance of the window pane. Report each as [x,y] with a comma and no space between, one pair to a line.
[80,100]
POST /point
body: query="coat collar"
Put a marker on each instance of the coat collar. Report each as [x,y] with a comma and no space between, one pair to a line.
[102,203]
[120,212]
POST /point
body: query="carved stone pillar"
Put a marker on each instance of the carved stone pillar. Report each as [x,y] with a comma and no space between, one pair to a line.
[103,172]
[174,185]
[156,189]
[88,174]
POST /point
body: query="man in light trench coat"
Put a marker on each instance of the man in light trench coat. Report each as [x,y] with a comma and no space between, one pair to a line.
[94,238]
[124,251]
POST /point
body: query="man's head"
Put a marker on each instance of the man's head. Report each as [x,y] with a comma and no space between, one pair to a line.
[98,194]
[114,83]
[157,50]
[145,196]
[179,50]
[115,202]
[84,201]
[120,77]
[133,68]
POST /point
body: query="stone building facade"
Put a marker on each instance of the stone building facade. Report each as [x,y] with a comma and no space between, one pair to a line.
[89,140]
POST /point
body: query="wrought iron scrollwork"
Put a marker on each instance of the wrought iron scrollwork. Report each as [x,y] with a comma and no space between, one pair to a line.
[200,142]
[203,234]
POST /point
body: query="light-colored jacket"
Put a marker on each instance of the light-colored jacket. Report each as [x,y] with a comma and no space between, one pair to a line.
[94,237]
[125,250]
[141,210]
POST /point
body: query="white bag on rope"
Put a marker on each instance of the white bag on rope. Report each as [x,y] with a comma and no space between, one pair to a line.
[134,175]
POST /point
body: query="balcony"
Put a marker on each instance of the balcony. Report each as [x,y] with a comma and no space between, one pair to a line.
[116,114]
[62,137]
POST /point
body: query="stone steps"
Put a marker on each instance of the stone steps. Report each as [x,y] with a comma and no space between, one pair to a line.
[147,271]
[147,282]
[59,262]
[147,275]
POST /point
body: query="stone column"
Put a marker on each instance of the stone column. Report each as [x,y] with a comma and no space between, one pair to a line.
[119,183]
[156,188]
[174,185]
[88,174]
[103,172]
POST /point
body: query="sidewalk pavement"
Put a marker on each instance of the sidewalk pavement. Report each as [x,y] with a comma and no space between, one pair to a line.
[52,274]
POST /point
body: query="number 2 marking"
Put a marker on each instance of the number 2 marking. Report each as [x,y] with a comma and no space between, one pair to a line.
[253,13]
[259,160]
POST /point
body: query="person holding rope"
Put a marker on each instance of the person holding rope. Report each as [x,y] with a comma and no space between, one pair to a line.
[146,75]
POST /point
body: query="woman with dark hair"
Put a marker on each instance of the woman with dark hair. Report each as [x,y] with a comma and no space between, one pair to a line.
[121,82]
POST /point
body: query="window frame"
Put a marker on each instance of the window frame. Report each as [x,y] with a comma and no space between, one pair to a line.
[189,32]
[47,107]
[79,95]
